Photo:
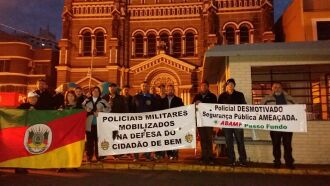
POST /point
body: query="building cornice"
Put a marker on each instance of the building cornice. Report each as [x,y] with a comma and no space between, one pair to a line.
[21,74]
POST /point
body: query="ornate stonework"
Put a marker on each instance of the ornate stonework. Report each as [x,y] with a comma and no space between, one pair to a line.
[161,41]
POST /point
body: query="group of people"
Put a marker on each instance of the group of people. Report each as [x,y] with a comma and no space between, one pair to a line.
[232,96]
[147,100]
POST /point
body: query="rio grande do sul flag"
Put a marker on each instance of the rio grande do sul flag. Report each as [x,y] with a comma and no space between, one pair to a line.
[42,139]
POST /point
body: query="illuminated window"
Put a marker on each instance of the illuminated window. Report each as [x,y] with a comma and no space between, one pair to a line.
[307,84]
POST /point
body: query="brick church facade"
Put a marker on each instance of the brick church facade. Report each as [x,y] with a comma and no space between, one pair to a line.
[159,41]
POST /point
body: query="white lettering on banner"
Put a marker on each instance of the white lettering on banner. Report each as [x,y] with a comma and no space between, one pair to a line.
[286,118]
[123,133]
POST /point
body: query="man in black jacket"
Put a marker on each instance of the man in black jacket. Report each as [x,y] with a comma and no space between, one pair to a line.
[231,96]
[45,101]
[144,102]
[128,98]
[171,101]
[80,96]
[117,102]
[206,133]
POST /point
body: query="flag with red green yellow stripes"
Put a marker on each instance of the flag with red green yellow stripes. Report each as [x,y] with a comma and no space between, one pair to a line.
[42,139]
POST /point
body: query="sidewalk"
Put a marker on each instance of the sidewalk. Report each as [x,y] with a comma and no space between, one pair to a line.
[187,162]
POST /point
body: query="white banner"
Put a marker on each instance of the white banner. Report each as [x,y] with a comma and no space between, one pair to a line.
[286,118]
[163,130]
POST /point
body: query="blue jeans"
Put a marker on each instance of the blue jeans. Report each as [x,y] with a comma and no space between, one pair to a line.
[239,137]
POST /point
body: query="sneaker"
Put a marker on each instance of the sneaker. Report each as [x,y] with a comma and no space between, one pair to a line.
[243,164]
[135,160]
[211,162]
[232,164]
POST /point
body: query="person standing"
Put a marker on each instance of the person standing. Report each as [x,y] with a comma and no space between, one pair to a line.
[93,106]
[280,97]
[31,104]
[45,100]
[167,102]
[144,102]
[161,95]
[117,102]
[231,96]
[80,96]
[128,98]
[70,102]
[206,133]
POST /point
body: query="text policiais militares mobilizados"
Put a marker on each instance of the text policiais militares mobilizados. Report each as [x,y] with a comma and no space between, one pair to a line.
[134,125]
[252,113]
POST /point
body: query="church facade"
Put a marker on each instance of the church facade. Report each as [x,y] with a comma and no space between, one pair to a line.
[159,41]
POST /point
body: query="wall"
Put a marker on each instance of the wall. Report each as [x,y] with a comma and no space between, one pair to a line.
[293,22]
[310,19]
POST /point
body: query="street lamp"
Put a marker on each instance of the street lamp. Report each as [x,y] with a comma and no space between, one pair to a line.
[91,68]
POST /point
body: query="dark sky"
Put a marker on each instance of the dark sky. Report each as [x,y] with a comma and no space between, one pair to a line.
[30,15]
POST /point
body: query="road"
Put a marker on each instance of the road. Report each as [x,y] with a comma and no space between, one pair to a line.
[158,178]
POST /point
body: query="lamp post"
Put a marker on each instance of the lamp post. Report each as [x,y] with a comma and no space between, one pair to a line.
[91,68]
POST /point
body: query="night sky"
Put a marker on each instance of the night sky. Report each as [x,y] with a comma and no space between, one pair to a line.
[30,15]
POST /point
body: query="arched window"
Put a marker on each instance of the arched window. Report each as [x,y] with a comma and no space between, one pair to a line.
[99,44]
[151,45]
[177,44]
[165,38]
[190,44]
[139,45]
[87,43]
[230,36]
[244,35]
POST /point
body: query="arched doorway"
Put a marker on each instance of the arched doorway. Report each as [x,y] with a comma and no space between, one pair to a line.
[165,79]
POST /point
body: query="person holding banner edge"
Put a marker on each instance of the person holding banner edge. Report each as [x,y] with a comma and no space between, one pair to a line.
[206,133]
[117,104]
[167,102]
[231,96]
[280,97]
[93,106]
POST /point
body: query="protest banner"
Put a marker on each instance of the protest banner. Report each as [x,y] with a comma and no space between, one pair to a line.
[123,133]
[286,118]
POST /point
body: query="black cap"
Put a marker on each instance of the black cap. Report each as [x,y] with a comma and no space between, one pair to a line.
[231,80]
